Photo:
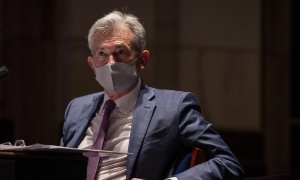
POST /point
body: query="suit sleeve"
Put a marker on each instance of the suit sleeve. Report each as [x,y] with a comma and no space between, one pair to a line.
[62,141]
[195,131]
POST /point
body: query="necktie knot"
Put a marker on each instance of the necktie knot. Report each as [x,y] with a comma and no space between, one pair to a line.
[109,105]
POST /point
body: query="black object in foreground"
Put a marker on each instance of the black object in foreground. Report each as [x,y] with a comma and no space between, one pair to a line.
[3,72]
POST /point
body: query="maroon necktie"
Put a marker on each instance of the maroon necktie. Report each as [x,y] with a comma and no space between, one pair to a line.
[94,160]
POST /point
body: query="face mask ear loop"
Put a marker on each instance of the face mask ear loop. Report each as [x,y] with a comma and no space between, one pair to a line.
[135,60]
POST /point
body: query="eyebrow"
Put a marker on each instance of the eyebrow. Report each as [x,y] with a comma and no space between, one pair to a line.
[120,45]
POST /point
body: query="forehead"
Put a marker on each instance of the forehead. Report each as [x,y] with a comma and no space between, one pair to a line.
[120,35]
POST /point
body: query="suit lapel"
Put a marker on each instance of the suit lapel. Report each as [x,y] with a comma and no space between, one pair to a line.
[140,122]
[87,113]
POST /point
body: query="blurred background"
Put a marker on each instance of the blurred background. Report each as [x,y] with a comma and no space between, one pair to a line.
[241,59]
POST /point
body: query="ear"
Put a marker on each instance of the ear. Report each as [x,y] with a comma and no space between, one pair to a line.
[91,63]
[143,60]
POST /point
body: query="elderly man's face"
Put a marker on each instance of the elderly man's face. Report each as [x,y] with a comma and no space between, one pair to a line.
[114,47]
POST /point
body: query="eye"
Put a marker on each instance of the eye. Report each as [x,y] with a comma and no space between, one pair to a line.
[122,52]
[101,53]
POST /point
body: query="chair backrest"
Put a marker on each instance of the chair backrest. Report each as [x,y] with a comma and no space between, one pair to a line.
[197,156]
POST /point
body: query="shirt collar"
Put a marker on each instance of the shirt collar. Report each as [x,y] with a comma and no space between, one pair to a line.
[125,103]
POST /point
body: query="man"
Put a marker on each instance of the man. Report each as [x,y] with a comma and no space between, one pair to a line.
[157,128]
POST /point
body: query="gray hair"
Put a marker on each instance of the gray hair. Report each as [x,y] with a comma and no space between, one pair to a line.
[106,24]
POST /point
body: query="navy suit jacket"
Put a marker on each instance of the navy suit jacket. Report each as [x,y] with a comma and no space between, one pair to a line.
[166,125]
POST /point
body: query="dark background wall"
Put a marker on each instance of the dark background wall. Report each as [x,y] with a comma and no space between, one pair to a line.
[241,58]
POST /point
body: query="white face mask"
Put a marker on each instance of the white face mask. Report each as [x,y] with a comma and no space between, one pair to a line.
[116,77]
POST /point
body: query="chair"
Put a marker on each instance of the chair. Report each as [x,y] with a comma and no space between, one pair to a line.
[197,156]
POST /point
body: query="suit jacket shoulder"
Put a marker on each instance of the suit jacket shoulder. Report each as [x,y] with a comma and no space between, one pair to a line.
[172,95]
[78,115]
